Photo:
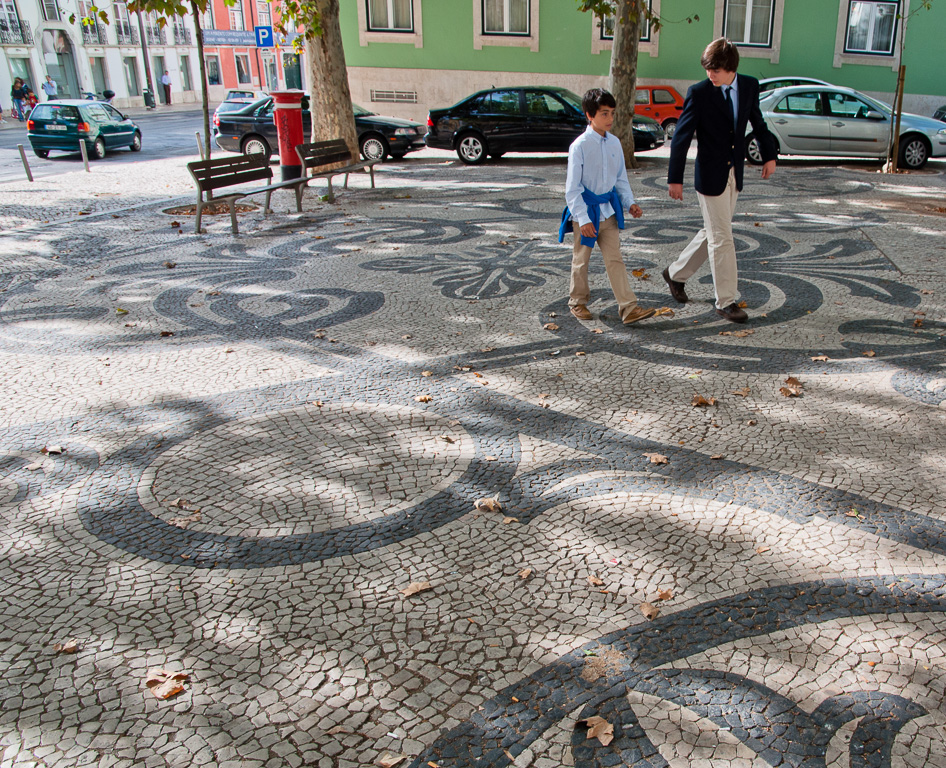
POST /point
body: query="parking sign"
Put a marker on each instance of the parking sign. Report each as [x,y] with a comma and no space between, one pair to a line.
[264,37]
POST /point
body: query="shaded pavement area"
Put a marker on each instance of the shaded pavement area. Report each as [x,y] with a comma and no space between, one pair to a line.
[231,457]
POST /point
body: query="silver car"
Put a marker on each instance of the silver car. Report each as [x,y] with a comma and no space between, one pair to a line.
[842,122]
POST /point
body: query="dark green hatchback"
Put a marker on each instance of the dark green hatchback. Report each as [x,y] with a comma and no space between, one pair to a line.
[61,125]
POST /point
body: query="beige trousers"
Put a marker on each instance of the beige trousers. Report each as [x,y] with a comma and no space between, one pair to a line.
[609,241]
[714,242]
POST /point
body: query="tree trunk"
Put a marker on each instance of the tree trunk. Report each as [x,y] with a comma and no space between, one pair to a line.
[331,108]
[205,99]
[624,73]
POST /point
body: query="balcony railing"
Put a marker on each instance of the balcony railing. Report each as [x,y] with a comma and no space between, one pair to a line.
[155,36]
[15,33]
[93,34]
[182,36]
[127,34]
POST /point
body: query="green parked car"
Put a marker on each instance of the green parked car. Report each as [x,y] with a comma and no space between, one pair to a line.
[61,125]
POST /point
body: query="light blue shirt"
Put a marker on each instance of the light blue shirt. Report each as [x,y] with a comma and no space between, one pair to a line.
[595,163]
[735,98]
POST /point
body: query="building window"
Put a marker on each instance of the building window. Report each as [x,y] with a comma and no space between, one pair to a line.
[126,33]
[9,18]
[236,15]
[50,10]
[505,17]
[264,14]
[749,22]
[207,18]
[390,16]
[212,64]
[243,68]
[871,28]
[607,26]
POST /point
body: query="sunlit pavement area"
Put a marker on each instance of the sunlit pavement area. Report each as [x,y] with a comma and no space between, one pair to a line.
[231,457]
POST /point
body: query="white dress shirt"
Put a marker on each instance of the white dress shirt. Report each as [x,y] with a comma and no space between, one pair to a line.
[595,163]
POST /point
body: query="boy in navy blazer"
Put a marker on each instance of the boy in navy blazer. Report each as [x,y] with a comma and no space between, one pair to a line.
[717,110]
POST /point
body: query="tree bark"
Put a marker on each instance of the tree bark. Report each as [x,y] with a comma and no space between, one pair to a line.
[204,96]
[623,76]
[331,108]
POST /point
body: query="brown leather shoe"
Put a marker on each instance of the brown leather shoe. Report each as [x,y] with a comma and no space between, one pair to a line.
[733,313]
[638,313]
[677,289]
[581,312]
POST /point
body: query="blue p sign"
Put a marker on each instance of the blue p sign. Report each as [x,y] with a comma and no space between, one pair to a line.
[264,37]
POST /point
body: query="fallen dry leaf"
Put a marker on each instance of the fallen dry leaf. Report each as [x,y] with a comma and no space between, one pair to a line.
[595,581]
[650,611]
[744,392]
[427,373]
[490,458]
[447,439]
[717,456]
[597,330]
[120,311]
[508,520]
[70,646]
[170,264]
[760,550]
[550,326]
[336,729]
[752,422]
[820,359]
[918,322]
[165,334]
[656,458]
[52,450]
[793,382]
[870,353]
[665,594]
[600,729]
[389,760]
[640,274]
[423,398]
[664,312]
[701,402]
[790,391]
[164,684]
[414,587]
[525,573]
[743,305]
[488,505]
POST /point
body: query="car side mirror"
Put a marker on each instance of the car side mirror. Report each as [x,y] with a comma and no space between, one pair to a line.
[874,115]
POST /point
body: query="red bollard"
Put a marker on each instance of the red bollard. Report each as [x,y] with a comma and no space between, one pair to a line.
[287,115]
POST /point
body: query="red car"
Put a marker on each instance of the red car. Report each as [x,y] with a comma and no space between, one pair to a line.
[660,102]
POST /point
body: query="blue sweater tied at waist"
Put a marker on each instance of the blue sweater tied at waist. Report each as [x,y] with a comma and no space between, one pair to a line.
[593,202]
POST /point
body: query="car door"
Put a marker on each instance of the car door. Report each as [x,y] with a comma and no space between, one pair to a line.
[664,105]
[504,124]
[800,123]
[853,132]
[101,124]
[122,127]
[552,124]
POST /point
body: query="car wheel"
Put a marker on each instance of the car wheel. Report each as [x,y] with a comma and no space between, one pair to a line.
[373,147]
[256,145]
[753,150]
[914,152]
[135,145]
[670,126]
[472,149]
[43,153]
[98,149]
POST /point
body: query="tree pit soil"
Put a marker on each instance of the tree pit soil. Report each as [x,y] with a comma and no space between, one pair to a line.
[210,209]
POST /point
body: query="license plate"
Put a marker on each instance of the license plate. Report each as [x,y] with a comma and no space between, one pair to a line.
[56,128]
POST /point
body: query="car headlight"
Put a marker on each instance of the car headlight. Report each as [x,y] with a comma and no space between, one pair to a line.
[941,132]
[405,132]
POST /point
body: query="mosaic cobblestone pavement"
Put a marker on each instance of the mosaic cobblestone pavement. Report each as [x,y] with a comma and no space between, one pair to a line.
[227,456]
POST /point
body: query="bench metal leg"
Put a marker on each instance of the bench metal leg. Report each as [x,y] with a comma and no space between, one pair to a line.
[266,209]
[233,221]
[200,210]
[331,194]
[346,181]
[300,190]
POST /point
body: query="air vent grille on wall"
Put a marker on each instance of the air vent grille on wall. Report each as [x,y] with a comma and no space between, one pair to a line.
[397,97]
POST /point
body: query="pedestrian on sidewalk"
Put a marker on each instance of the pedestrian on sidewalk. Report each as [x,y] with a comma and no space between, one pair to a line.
[166,82]
[597,192]
[51,89]
[18,95]
[717,111]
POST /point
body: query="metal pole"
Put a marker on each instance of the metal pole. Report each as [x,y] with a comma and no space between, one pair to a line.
[144,53]
[85,155]
[200,147]
[26,164]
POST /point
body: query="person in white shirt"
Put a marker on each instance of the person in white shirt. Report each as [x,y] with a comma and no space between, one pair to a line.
[166,82]
[597,193]
[51,89]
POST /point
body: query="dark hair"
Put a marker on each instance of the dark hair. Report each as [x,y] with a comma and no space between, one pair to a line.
[720,54]
[596,98]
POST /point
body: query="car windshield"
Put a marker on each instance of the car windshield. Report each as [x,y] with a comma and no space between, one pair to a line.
[570,98]
[362,112]
[56,112]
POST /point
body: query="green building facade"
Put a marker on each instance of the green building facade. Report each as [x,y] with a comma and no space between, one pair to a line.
[406,56]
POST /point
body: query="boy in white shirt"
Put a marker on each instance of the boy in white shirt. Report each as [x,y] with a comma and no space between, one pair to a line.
[597,193]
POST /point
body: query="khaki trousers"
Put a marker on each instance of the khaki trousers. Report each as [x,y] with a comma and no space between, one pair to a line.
[609,241]
[714,242]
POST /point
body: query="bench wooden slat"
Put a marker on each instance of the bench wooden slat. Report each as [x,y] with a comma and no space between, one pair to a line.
[319,154]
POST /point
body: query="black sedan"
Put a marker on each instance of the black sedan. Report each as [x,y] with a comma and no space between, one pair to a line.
[530,119]
[251,130]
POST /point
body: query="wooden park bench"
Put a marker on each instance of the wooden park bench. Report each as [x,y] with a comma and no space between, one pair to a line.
[222,172]
[320,154]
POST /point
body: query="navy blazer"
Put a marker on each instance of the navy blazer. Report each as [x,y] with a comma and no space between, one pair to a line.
[720,145]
